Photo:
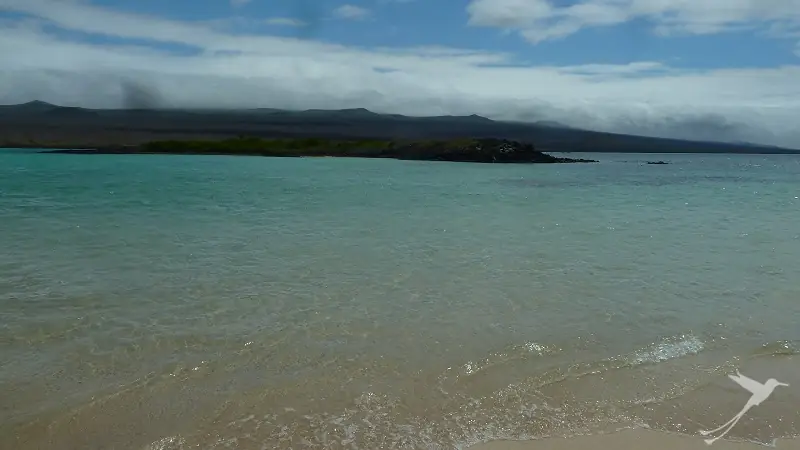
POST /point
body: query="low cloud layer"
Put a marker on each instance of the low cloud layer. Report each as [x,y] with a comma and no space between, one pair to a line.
[155,61]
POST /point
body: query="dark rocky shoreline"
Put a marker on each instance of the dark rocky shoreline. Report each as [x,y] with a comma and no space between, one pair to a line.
[454,150]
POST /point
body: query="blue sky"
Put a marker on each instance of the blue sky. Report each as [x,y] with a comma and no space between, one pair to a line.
[404,23]
[686,68]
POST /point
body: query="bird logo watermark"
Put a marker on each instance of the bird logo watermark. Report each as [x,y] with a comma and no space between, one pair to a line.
[760,392]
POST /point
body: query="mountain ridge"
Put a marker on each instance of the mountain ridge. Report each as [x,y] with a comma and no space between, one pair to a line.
[50,126]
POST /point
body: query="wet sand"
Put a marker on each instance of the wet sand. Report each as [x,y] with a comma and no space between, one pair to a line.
[631,440]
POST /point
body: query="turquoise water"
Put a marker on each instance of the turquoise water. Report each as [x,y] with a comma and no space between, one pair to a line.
[234,302]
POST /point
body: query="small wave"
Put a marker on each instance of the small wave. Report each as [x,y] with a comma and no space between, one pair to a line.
[778,348]
[515,352]
[670,348]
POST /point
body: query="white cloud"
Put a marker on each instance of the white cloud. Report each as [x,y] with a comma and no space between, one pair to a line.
[285,21]
[246,70]
[539,20]
[351,12]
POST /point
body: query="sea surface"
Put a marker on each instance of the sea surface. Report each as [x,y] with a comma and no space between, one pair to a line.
[182,302]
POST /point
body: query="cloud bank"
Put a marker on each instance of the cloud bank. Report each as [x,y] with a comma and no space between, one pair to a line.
[74,53]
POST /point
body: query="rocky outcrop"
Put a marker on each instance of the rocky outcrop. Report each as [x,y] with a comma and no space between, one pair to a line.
[475,150]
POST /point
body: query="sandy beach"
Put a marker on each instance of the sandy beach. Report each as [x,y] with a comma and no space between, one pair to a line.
[631,440]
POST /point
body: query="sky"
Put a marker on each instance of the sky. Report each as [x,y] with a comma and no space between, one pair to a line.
[724,70]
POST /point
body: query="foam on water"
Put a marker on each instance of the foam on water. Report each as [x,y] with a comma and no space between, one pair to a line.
[167,443]
[670,348]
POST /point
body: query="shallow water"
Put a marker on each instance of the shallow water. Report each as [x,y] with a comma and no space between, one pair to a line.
[165,302]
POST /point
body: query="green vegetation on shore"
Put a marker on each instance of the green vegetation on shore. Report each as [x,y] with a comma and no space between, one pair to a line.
[270,147]
[463,150]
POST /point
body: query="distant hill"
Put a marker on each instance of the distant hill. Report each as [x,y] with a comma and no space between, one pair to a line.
[33,107]
[43,124]
[36,108]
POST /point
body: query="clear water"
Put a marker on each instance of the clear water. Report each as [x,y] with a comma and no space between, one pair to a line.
[166,302]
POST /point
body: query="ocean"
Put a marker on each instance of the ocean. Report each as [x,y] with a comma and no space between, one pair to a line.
[205,302]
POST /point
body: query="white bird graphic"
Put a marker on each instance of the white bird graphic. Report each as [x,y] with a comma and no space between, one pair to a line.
[760,393]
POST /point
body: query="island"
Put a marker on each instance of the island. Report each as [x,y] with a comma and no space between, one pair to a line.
[486,150]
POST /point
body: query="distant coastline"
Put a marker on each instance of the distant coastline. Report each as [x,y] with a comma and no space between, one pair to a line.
[44,125]
[453,150]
